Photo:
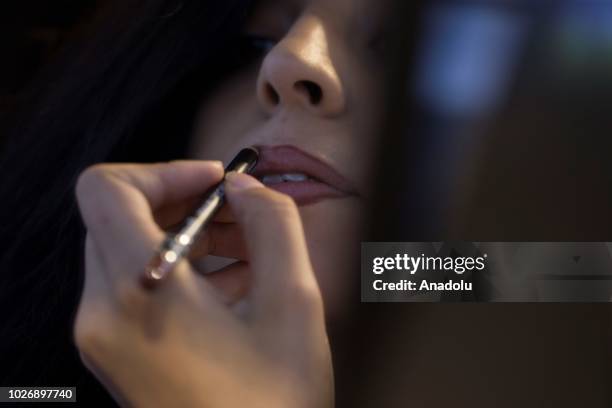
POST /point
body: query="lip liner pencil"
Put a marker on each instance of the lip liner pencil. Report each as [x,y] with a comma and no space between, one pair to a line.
[176,246]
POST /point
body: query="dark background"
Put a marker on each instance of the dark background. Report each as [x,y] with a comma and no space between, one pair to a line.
[508,138]
[31,34]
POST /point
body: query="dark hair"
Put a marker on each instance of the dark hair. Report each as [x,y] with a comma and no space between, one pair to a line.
[128,92]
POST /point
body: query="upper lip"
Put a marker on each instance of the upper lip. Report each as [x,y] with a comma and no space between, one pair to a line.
[289,159]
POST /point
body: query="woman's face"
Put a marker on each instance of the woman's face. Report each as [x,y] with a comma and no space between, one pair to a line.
[311,105]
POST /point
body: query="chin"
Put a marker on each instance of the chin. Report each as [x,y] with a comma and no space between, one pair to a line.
[333,233]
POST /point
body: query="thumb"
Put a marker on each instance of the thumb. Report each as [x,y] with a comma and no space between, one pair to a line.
[283,280]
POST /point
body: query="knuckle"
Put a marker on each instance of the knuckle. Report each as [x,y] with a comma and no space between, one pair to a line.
[272,204]
[285,207]
[305,299]
[91,179]
[92,184]
[130,296]
[92,333]
[282,202]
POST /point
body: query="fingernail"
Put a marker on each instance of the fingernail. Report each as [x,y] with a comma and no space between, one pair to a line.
[217,163]
[241,181]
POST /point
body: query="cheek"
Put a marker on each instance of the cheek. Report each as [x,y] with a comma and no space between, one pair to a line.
[333,233]
[225,117]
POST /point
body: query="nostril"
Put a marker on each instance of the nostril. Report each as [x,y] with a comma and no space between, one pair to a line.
[314,91]
[271,94]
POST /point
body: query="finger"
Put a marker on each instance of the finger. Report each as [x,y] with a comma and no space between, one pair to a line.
[220,239]
[232,282]
[116,203]
[225,215]
[174,214]
[171,216]
[283,281]
[97,284]
[90,324]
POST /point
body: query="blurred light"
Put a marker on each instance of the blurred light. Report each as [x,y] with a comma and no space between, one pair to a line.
[468,56]
[584,34]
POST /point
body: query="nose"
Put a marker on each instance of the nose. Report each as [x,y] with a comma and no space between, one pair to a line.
[299,73]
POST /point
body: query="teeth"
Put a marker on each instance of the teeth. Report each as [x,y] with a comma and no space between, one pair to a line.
[294,177]
[272,179]
[280,178]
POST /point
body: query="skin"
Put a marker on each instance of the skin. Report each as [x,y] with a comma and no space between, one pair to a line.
[180,344]
[327,43]
[251,333]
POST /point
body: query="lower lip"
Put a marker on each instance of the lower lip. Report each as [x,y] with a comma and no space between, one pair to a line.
[307,192]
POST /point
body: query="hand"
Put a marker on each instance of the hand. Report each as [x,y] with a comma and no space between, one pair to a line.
[181,344]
